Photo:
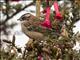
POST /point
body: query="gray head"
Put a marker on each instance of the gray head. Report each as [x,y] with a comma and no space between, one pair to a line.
[25,17]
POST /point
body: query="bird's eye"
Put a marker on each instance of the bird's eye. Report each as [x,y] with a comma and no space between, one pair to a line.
[23,18]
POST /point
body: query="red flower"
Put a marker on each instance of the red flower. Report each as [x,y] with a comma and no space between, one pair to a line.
[40,57]
[58,14]
[47,22]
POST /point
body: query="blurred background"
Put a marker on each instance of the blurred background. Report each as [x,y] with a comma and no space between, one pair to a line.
[12,10]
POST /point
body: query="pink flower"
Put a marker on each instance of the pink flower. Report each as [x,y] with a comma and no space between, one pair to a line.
[40,57]
[47,22]
[58,14]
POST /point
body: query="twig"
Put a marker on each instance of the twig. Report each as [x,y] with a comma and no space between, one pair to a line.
[7,41]
[24,53]
[16,13]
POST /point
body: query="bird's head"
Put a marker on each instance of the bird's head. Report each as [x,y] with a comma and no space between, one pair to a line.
[25,17]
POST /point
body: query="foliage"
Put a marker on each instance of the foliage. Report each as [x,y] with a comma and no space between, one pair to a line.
[57,43]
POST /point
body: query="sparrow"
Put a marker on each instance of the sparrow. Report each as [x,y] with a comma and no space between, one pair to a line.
[27,20]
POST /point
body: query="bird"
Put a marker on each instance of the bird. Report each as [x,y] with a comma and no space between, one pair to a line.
[27,20]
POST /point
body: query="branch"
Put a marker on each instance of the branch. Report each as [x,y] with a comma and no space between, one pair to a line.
[7,3]
[9,42]
[16,13]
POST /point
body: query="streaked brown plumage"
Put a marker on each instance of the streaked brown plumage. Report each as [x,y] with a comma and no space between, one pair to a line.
[27,21]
